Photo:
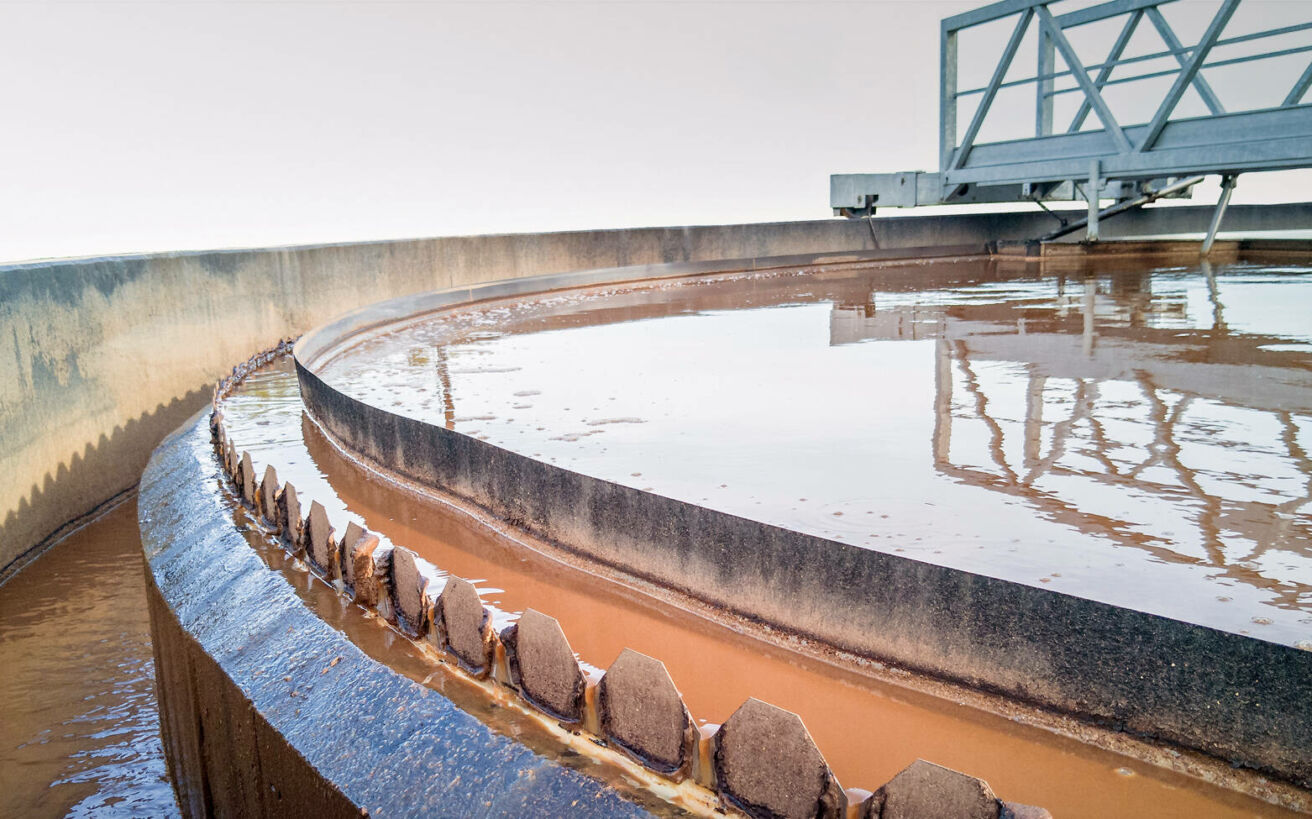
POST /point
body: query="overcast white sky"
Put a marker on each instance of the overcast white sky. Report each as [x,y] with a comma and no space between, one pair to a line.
[138,126]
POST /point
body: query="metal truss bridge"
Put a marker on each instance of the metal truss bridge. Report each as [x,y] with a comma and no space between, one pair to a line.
[1095,156]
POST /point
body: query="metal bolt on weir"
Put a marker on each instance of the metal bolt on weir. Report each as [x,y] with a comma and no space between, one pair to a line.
[1133,164]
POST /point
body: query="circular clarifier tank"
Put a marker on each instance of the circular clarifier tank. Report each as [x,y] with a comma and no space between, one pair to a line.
[1137,437]
[1004,518]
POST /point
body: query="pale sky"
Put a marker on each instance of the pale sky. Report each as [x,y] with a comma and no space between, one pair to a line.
[143,126]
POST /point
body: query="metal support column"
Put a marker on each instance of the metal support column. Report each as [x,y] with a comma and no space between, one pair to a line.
[1043,100]
[1091,194]
[1227,188]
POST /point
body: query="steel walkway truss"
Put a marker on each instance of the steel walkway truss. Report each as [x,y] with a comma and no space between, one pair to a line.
[1144,161]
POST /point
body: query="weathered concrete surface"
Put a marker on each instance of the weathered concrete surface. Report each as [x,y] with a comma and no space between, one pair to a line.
[290,523]
[100,358]
[353,533]
[465,625]
[1229,695]
[1014,810]
[543,665]
[643,713]
[371,564]
[269,495]
[408,585]
[320,544]
[246,477]
[924,789]
[767,765]
[268,710]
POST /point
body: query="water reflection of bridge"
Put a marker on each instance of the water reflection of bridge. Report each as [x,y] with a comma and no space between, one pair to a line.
[1106,408]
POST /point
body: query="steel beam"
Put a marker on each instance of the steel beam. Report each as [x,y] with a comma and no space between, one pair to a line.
[1105,72]
[1170,72]
[1072,59]
[989,13]
[1172,42]
[1091,194]
[1187,74]
[947,99]
[1043,101]
[1227,188]
[1006,8]
[1186,147]
[1296,93]
[1105,11]
[1157,55]
[999,72]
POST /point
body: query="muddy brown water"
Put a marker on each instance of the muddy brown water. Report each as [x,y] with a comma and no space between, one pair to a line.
[1139,436]
[868,729]
[79,722]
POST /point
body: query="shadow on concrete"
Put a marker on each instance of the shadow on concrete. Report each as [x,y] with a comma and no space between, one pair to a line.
[91,480]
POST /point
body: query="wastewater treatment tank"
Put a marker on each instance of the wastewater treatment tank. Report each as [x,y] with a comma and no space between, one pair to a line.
[1137,436]
[1041,524]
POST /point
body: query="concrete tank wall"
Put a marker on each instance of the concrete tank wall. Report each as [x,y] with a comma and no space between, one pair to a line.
[100,358]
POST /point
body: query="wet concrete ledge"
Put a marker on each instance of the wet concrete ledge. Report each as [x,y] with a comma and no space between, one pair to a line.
[258,720]
[1236,697]
[78,418]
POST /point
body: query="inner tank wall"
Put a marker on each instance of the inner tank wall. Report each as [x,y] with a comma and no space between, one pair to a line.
[100,358]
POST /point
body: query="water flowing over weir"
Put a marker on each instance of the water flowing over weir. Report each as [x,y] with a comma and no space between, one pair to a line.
[1028,756]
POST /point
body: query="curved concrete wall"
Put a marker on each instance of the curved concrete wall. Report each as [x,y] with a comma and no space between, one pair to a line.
[268,710]
[1236,697]
[100,358]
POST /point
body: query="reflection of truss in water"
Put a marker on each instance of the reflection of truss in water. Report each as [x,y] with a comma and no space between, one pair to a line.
[1220,520]
[1174,392]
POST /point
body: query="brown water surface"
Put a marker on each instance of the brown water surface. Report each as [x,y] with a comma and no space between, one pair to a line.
[79,722]
[867,729]
[1134,435]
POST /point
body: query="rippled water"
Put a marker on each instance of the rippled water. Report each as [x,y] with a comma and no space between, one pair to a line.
[79,722]
[1138,436]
